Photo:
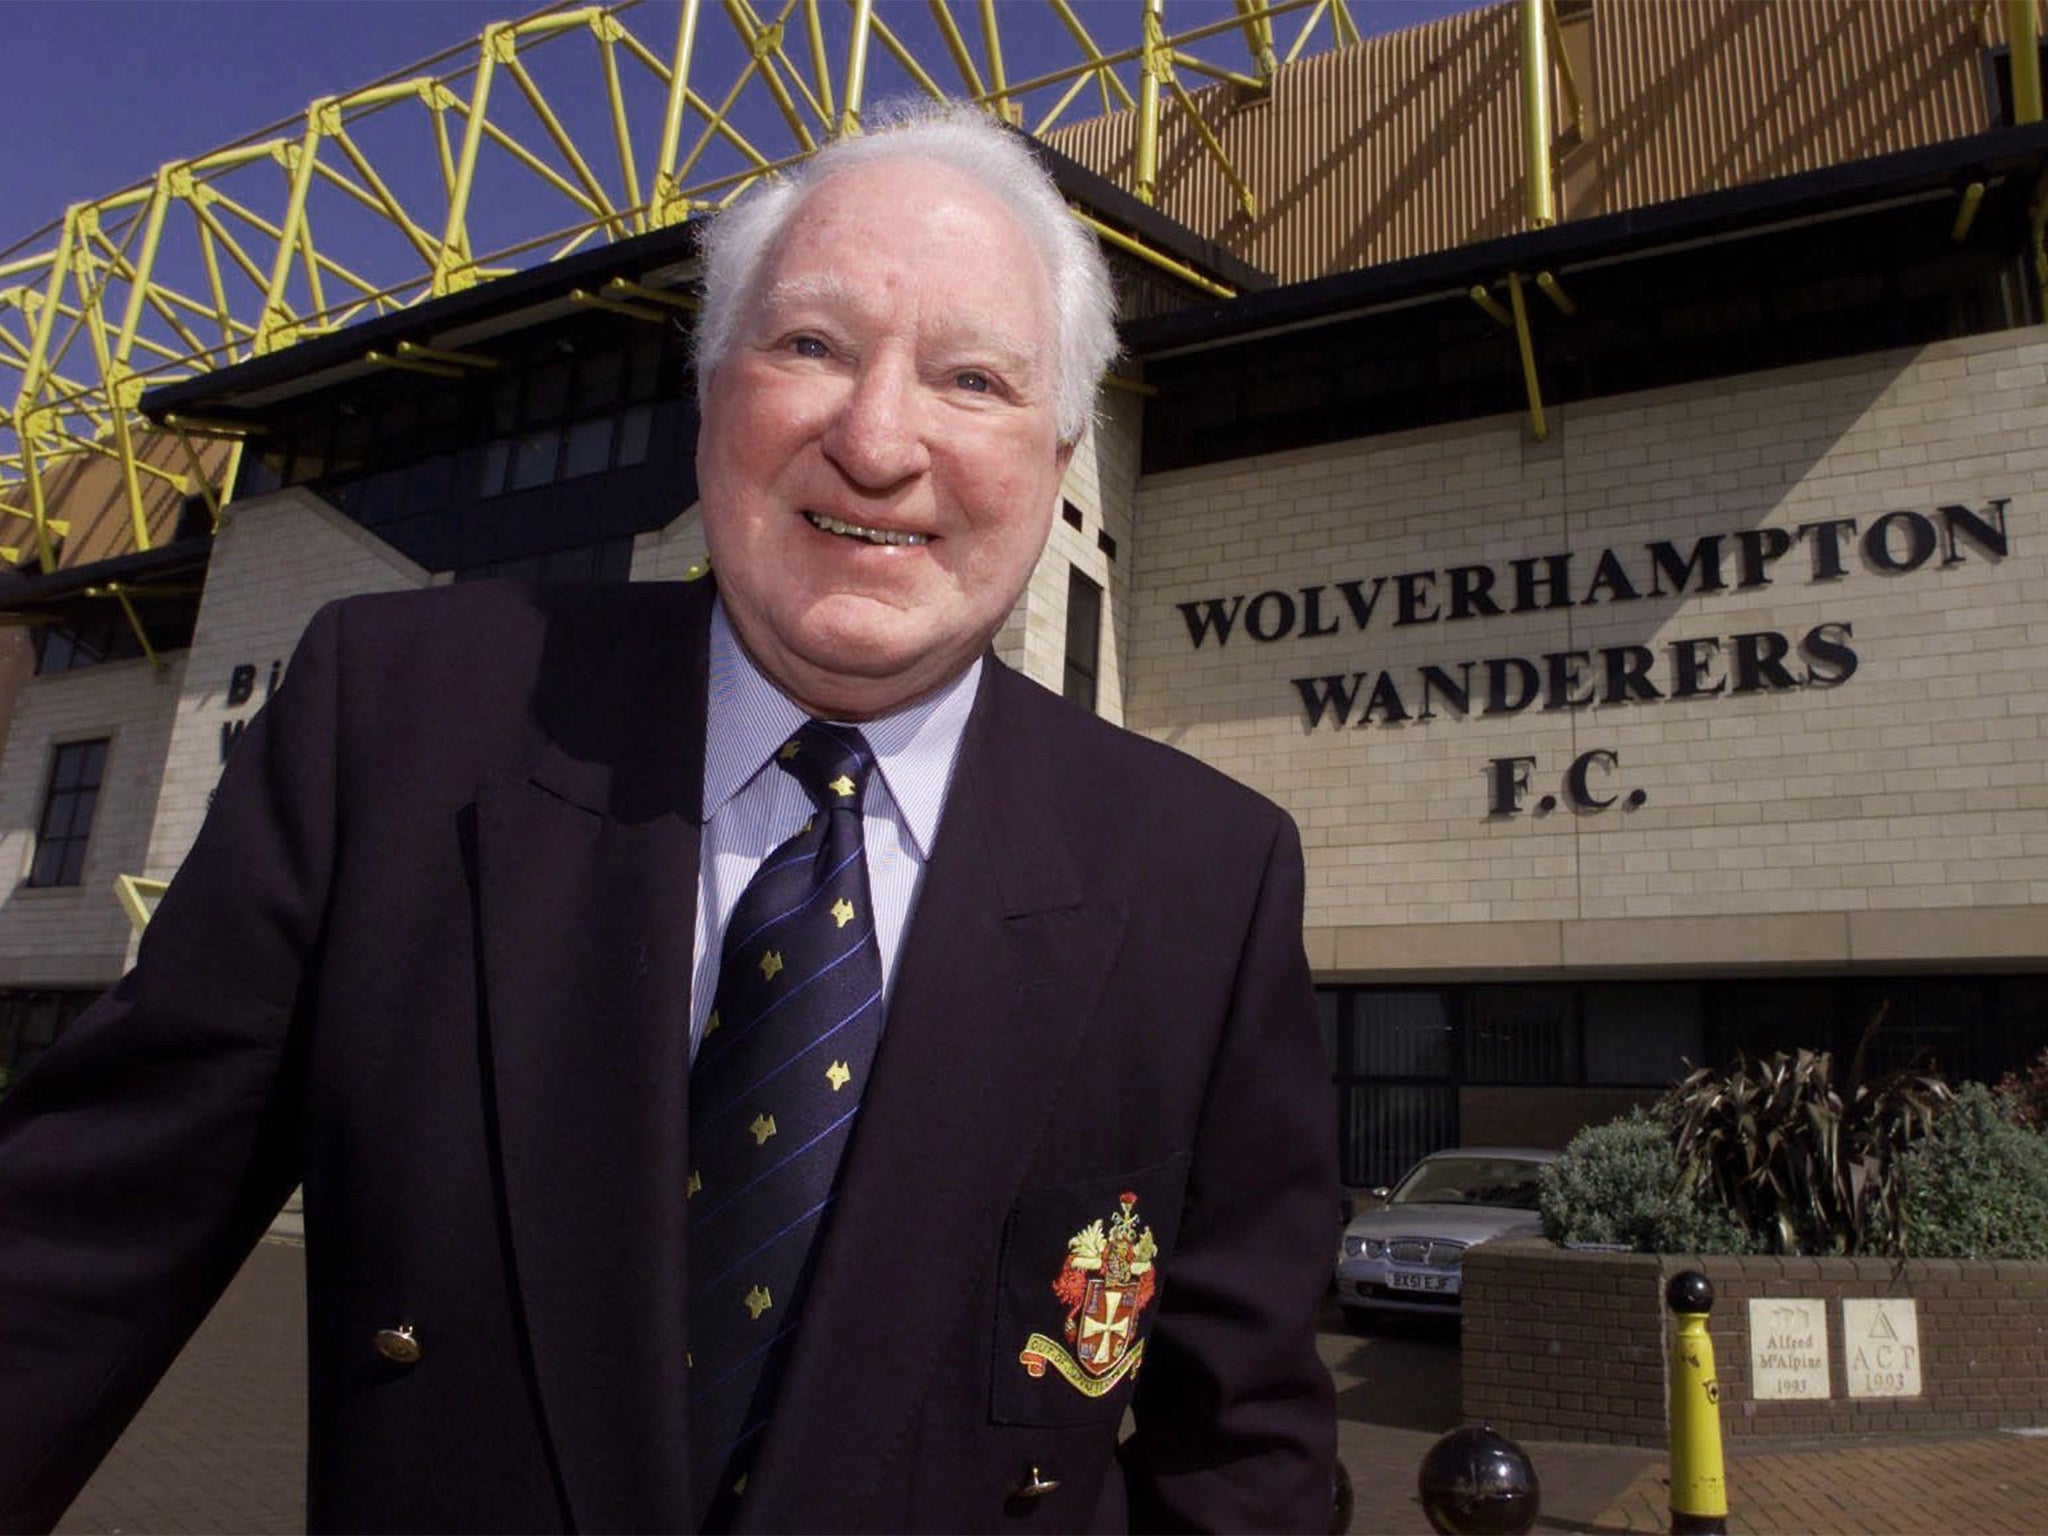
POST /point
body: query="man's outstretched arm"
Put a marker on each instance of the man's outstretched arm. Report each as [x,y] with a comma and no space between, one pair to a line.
[146,1151]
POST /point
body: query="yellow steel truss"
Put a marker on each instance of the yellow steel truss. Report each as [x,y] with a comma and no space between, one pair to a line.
[492,156]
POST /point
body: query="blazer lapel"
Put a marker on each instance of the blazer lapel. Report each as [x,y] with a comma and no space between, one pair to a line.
[995,987]
[587,882]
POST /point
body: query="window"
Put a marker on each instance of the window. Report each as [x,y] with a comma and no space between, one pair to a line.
[575,414]
[1391,1060]
[1084,639]
[68,805]
[88,631]
[30,1021]
[1522,1034]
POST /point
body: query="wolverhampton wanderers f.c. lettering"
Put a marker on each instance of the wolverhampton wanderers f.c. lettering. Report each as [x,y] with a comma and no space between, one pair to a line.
[1816,655]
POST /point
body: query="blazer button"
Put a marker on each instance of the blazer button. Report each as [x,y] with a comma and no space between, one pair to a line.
[1036,1485]
[398,1344]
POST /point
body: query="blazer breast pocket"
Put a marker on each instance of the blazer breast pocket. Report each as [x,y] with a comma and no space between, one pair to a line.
[1082,1269]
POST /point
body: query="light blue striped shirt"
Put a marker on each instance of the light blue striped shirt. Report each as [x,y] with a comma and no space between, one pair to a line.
[751,806]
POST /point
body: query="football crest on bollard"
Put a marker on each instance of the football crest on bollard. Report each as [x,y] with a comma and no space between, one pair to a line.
[1475,1481]
[1699,1492]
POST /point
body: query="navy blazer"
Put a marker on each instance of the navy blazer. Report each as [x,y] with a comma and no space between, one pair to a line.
[431,956]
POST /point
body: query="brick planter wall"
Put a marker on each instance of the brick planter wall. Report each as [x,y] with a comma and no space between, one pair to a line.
[1571,1346]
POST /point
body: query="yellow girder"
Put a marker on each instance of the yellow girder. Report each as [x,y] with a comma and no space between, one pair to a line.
[533,139]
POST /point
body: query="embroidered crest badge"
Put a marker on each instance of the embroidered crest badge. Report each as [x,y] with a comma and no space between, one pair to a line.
[1106,1282]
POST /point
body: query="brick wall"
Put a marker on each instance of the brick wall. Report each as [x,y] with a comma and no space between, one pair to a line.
[1897,816]
[276,561]
[1564,1346]
[78,936]
[1100,484]
[672,552]
[1571,1346]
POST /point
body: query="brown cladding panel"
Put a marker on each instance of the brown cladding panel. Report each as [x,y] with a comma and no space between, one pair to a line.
[1411,142]
[1705,96]
[1404,143]
[87,491]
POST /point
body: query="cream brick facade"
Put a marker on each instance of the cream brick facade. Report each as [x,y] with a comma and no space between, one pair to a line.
[671,553]
[77,936]
[276,561]
[1898,817]
[1101,485]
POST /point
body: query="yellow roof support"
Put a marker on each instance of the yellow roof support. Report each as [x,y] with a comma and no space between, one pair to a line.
[232,253]
[138,898]
[1542,197]
[2025,42]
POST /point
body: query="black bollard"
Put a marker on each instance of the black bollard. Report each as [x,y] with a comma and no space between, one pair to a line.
[1477,1482]
[1341,1499]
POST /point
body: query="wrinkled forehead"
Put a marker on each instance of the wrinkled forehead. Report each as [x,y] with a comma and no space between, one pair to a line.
[859,231]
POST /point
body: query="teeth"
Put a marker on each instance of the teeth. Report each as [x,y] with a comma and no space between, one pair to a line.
[856,531]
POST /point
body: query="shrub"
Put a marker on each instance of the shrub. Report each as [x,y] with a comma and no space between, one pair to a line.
[1977,1187]
[2025,1098]
[1621,1184]
[1798,1166]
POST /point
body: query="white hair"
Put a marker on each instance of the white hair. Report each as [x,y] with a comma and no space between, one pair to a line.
[739,240]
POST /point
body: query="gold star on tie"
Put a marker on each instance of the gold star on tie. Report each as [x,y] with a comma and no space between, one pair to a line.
[842,912]
[696,1183]
[758,1301]
[711,1024]
[771,964]
[838,1075]
[762,1128]
[741,1485]
[790,749]
[842,787]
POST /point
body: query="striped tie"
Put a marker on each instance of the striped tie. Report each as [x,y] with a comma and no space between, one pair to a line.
[777,1080]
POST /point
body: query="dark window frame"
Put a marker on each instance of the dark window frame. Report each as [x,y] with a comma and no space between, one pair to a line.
[59,860]
[1081,669]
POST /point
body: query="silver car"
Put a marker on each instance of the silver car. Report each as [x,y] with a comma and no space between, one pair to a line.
[1408,1254]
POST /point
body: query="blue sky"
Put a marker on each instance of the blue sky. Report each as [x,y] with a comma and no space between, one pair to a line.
[102,92]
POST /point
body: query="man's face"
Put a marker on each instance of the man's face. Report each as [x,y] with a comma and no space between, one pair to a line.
[878,460]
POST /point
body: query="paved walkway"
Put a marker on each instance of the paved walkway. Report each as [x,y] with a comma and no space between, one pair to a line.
[221,1445]
[1890,1486]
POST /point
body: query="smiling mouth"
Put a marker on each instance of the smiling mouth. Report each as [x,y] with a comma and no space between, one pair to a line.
[867,535]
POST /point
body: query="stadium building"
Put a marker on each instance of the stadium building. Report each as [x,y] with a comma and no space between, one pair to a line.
[1585,460]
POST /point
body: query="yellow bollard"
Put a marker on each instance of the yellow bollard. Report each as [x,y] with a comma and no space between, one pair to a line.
[1699,1492]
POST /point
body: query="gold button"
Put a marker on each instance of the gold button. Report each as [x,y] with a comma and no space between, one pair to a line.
[398,1344]
[1036,1485]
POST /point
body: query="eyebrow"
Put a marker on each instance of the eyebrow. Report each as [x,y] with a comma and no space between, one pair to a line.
[831,289]
[828,286]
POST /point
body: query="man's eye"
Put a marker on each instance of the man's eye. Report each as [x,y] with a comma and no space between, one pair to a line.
[974,380]
[809,346]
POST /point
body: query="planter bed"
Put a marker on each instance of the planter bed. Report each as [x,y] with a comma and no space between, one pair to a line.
[1569,1345]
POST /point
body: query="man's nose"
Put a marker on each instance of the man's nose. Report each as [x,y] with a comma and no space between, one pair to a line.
[878,436]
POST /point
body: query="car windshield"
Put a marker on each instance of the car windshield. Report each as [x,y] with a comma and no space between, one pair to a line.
[1503,1181]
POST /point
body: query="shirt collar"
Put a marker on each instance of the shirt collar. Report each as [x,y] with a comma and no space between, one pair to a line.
[747,718]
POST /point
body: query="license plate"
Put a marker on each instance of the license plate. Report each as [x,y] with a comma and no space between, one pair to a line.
[1400,1280]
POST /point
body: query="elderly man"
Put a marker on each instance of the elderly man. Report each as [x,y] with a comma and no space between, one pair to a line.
[753,1061]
